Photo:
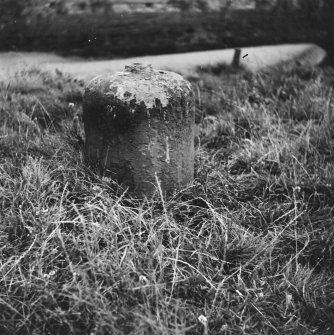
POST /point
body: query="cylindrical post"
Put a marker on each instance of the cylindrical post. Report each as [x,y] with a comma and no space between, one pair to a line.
[139,127]
[236,58]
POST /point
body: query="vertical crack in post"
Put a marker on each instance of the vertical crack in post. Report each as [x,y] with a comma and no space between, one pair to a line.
[167,150]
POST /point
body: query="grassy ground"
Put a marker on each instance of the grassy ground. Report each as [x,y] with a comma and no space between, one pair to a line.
[246,249]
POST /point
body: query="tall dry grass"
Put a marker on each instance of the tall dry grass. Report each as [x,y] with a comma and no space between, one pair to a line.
[247,248]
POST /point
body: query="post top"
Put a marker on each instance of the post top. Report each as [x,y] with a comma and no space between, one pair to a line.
[139,68]
[140,84]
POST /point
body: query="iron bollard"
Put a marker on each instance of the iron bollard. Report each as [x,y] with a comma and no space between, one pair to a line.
[139,127]
[236,58]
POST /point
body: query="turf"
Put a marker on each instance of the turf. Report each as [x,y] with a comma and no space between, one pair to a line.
[247,248]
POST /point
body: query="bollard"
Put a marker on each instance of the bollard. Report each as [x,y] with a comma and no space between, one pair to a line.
[139,127]
[236,58]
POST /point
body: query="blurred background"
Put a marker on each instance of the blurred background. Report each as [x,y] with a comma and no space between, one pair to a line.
[106,29]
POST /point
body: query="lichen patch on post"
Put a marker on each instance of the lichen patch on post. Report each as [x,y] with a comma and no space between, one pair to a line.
[145,85]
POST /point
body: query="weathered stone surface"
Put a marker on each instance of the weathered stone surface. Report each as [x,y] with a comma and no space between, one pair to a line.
[139,127]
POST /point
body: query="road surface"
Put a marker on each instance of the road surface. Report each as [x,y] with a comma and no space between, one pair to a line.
[252,58]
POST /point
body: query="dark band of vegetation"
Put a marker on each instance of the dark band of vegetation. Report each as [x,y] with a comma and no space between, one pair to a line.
[113,35]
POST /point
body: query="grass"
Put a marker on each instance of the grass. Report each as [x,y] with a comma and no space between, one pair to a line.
[247,248]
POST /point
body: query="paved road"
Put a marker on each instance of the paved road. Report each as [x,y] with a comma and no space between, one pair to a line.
[253,58]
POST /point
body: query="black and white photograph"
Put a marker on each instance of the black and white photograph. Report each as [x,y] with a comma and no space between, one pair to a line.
[167,167]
